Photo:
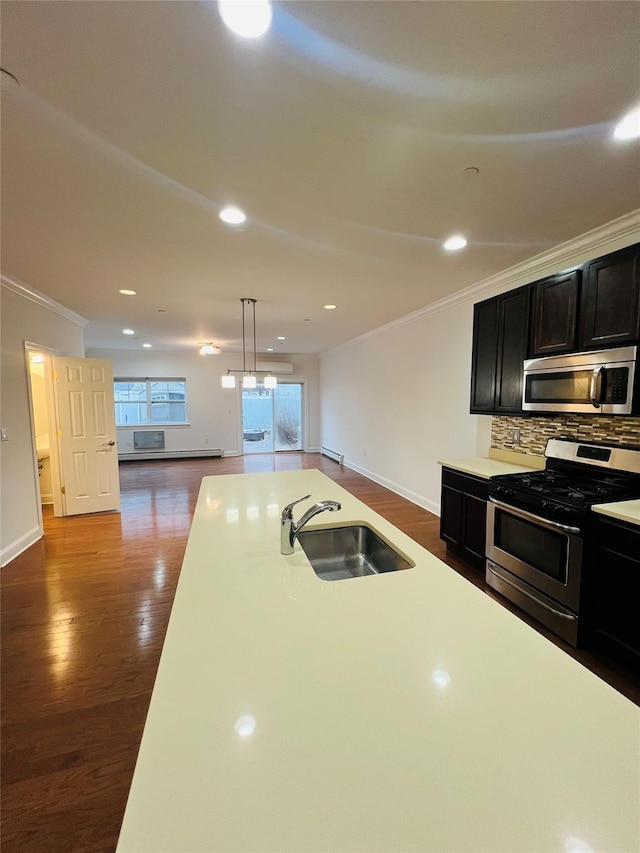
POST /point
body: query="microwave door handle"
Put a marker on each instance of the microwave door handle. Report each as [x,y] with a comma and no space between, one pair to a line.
[595,388]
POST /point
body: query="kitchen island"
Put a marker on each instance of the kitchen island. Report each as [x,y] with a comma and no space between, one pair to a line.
[404,711]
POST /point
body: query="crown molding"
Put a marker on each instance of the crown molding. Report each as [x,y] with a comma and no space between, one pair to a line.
[620,232]
[42,299]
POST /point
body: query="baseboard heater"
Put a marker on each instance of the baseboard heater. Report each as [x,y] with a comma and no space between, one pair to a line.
[332,454]
[149,444]
[143,455]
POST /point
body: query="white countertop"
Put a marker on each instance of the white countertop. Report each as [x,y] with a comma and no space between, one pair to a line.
[406,711]
[628,511]
[484,467]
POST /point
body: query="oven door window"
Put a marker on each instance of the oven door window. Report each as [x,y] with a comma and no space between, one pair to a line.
[544,550]
[569,386]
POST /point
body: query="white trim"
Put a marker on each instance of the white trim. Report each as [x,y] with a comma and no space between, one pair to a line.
[16,548]
[622,232]
[414,497]
[42,299]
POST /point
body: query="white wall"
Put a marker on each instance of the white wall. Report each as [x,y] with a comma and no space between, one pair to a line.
[24,319]
[395,401]
[214,412]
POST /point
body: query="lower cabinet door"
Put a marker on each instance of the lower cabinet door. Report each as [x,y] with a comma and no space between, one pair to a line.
[474,518]
[616,595]
[451,516]
[463,514]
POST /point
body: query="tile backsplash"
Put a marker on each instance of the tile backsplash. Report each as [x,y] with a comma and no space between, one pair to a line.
[534,431]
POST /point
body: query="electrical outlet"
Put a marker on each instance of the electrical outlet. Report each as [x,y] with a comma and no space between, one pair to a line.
[515,436]
[5,434]
[206,441]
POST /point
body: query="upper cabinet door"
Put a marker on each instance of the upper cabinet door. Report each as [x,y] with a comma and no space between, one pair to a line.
[555,314]
[513,328]
[610,300]
[500,334]
[485,353]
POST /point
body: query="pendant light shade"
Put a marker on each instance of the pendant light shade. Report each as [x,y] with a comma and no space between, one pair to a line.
[249,376]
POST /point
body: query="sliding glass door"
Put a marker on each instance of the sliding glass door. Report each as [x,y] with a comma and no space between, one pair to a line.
[272,419]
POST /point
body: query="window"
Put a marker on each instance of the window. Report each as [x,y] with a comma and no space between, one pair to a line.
[150,401]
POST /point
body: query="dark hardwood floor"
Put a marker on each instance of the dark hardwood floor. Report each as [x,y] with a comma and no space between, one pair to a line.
[84,614]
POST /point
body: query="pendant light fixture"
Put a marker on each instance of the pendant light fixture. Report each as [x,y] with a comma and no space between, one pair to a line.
[249,376]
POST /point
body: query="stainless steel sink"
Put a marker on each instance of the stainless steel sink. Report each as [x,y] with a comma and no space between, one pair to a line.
[353,551]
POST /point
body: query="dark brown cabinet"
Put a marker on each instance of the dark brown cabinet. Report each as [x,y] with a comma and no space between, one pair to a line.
[610,303]
[485,353]
[594,307]
[555,314]
[500,334]
[615,592]
[463,514]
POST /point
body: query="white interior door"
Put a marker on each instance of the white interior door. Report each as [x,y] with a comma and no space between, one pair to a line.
[86,427]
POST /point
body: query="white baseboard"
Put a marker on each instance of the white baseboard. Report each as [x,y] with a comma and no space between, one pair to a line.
[25,541]
[414,497]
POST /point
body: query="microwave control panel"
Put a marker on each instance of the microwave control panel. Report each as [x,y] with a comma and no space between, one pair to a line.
[617,385]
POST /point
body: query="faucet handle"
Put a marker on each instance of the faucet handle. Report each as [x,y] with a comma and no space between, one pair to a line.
[287,512]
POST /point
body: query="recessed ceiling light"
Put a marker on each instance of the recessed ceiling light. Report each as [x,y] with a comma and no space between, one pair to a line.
[629,127]
[127,292]
[281,338]
[147,346]
[233,215]
[454,243]
[330,307]
[128,332]
[210,349]
[247,18]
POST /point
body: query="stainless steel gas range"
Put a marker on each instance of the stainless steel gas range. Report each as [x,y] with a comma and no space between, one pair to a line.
[539,527]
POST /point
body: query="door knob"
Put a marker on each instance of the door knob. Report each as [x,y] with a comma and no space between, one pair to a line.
[108,443]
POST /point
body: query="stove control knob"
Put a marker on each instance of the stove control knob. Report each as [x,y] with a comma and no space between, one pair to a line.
[503,490]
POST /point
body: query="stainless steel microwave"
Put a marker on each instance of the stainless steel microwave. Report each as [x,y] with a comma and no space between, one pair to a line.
[599,382]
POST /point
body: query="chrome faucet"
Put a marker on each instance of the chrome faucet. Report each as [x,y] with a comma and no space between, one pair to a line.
[289,530]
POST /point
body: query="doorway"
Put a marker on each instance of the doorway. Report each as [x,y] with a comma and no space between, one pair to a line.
[73,433]
[39,370]
[272,418]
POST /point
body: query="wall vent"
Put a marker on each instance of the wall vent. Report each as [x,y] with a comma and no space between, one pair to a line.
[148,439]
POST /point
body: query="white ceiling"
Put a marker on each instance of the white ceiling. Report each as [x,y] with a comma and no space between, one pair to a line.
[344,134]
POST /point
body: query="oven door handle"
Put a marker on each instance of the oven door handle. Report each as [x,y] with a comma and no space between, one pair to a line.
[517,587]
[595,386]
[529,516]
